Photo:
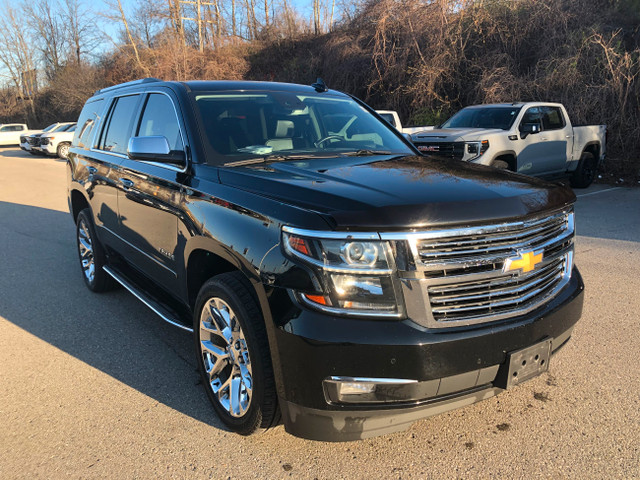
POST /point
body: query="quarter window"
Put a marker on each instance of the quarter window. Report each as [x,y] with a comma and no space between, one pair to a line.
[118,131]
[86,121]
[159,118]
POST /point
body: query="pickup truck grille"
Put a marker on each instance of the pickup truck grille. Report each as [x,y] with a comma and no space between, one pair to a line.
[34,141]
[44,141]
[466,278]
[453,150]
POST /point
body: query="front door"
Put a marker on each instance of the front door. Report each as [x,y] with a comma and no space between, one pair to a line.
[150,197]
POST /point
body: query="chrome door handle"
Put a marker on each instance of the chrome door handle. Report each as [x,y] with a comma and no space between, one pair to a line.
[568,136]
[126,183]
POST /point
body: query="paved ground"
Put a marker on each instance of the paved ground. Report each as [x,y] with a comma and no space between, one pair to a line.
[95,386]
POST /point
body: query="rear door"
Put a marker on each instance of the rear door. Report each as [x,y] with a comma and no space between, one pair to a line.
[150,194]
[106,151]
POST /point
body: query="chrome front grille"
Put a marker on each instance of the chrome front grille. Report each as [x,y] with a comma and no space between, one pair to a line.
[464,282]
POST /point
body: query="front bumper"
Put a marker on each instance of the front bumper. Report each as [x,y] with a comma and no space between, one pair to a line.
[49,149]
[450,369]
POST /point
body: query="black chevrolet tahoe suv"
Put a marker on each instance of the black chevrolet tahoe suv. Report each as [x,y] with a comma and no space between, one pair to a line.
[334,279]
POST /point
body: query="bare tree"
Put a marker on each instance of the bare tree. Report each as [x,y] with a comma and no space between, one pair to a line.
[81,32]
[50,35]
[18,53]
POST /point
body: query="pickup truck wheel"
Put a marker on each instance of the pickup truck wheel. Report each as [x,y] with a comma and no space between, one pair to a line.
[233,354]
[63,151]
[501,164]
[586,171]
[91,255]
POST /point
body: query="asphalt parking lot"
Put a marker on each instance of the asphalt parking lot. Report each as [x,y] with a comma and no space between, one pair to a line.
[97,386]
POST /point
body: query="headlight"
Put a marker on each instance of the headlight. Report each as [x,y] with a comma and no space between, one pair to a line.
[356,272]
[476,149]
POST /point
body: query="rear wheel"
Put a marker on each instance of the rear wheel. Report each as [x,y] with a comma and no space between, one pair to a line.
[233,354]
[586,171]
[91,254]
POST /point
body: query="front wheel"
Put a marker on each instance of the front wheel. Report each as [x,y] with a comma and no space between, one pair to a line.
[586,171]
[63,151]
[233,354]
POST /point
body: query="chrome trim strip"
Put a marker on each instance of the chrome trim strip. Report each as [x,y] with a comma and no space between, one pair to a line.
[479,230]
[331,235]
[401,381]
[144,300]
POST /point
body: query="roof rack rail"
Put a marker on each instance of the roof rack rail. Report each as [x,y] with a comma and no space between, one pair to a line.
[128,84]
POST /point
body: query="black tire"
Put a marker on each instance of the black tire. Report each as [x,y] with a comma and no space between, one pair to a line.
[99,280]
[586,171]
[501,164]
[63,150]
[233,290]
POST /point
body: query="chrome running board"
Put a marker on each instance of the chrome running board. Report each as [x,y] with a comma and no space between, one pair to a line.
[156,307]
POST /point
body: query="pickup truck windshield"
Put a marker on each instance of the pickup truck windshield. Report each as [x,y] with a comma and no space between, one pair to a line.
[484,117]
[282,125]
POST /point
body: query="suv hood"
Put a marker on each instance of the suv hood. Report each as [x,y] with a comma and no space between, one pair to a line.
[456,134]
[387,193]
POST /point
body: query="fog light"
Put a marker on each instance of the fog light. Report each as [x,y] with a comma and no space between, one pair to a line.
[356,388]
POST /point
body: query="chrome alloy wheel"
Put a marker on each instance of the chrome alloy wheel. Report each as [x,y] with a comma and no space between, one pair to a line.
[63,151]
[226,357]
[85,247]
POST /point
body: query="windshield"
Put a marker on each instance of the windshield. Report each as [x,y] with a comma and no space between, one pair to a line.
[483,117]
[62,128]
[50,127]
[245,125]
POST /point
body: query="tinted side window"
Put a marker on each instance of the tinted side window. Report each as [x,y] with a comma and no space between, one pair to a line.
[159,118]
[118,130]
[5,129]
[533,115]
[552,118]
[90,113]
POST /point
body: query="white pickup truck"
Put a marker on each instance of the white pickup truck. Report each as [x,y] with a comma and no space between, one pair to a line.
[10,133]
[57,143]
[393,118]
[533,138]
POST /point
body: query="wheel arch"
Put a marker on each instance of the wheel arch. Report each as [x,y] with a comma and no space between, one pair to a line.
[205,258]
[77,202]
[593,148]
[508,156]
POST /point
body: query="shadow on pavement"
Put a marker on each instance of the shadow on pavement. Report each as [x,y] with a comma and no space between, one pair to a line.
[43,294]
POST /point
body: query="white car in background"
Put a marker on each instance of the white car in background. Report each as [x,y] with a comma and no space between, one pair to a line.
[393,118]
[57,143]
[10,133]
[34,139]
[24,137]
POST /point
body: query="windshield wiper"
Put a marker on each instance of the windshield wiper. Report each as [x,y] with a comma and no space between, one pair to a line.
[366,153]
[267,158]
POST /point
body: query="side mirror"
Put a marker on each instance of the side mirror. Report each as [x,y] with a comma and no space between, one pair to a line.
[154,148]
[529,129]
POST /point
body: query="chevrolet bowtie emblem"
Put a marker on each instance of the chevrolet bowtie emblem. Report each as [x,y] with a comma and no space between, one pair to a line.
[525,262]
